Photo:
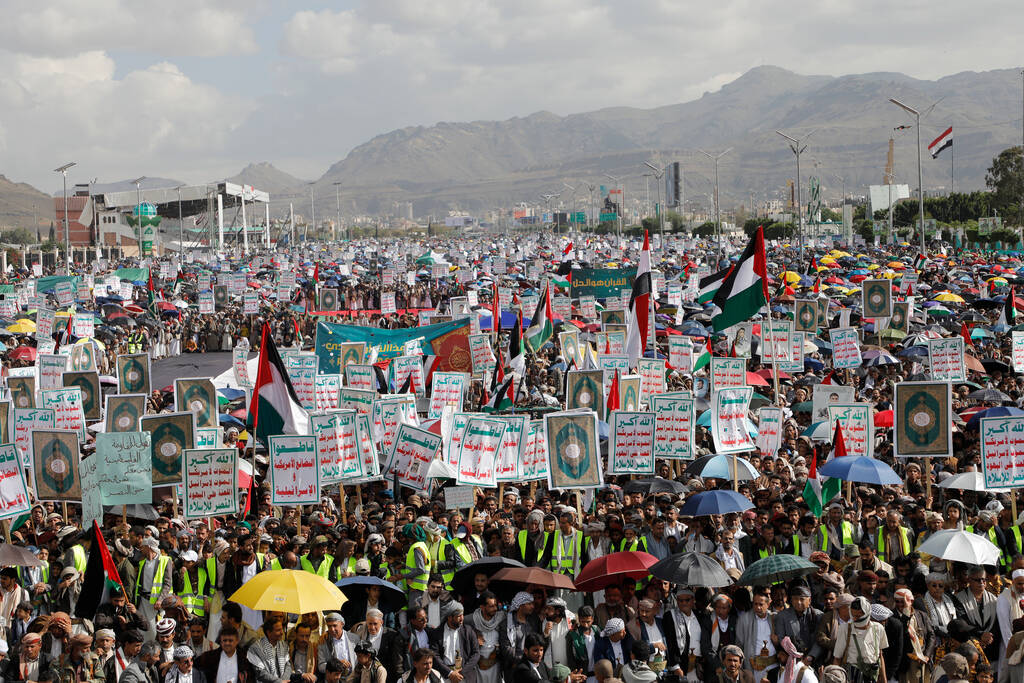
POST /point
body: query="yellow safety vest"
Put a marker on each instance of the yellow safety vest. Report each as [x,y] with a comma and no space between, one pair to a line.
[568,563]
[417,582]
[80,558]
[904,542]
[323,570]
[796,544]
[158,579]
[463,551]
[847,535]
[208,575]
[522,545]
[192,600]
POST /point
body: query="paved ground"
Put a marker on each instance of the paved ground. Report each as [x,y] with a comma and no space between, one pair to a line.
[166,370]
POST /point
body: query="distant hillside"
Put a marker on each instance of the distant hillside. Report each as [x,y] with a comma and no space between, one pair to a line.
[23,206]
[267,177]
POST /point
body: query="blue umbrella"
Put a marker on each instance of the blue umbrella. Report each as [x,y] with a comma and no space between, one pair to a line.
[861,469]
[814,364]
[913,351]
[819,431]
[718,502]
[998,411]
[230,393]
[230,420]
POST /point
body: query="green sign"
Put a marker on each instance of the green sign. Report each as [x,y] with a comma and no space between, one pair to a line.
[601,283]
[987,226]
[450,341]
[609,217]
[578,217]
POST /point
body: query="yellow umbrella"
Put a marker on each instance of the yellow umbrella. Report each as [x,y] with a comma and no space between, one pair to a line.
[790,277]
[950,297]
[289,590]
[997,280]
[889,275]
[874,266]
[22,327]
[85,340]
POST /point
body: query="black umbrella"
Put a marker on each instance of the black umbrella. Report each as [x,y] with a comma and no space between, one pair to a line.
[17,556]
[691,569]
[355,589]
[988,395]
[993,365]
[462,582]
[655,485]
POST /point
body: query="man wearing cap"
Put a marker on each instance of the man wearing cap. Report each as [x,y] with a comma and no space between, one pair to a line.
[614,644]
[799,622]
[986,527]
[165,629]
[183,670]
[337,643]
[918,643]
[318,561]
[456,554]
[80,665]
[835,533]
[154,580]
[190,584]
[28,663]
[388,643]
[454,644]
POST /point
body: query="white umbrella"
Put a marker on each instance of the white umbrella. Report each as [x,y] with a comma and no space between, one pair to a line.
[968,481]
[960,546]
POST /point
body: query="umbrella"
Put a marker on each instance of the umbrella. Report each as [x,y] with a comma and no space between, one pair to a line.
[513,578]
[613,568]
[655,485]
[860,468]
[883,418]
[721,467]
[993,365]
[691,569]
[967,481]
[289,590]
[717,502]
[17,556]
[777,568]
[990,395]
[999,411]
[355,588]
[462,582]
[960,546]
[23,353]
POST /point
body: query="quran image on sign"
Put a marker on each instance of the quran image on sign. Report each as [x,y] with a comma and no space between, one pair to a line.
[538,457]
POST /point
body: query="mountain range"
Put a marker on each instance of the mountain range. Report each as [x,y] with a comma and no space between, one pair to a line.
[845,121]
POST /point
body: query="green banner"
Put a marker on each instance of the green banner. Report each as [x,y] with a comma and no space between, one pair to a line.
[449,341]
[601,283]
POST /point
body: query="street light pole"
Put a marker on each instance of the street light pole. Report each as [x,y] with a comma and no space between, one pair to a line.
[138,209]
[798,146]
[572,219]
[63,170]
[718,207]
[337,197]
[658,175]
[181,226]
[312,210]
[920,175]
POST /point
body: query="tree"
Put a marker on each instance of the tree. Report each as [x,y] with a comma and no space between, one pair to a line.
[1005,178]
[18,236]
[707,229]
[830,216]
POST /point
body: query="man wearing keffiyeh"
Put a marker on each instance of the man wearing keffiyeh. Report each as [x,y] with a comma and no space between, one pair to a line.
[919,645]
[520,621]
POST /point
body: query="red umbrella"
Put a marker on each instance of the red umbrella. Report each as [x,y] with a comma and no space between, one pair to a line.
[883,418]
[23,353]
[969,413]
[612,569]
[756,380]
[833,280]
[132,308]
[767,374]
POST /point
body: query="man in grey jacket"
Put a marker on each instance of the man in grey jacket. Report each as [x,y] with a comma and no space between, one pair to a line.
[142,669]
[799,621]
[338,644]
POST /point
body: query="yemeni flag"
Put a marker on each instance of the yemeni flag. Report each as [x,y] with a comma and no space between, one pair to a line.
[179,280]
[516,353]
[1008,316]
[100,575]
[745,290]
[818,491]
[541,324]
[275,408]
[565,267]
[709,286]
[151,295]
[639,306]
[940,143]
[704,358]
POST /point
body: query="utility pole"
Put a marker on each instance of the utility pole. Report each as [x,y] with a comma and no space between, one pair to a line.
[181,225]
[920,174]
[138,209]
[312,210]
[659,173]
[337,197]
[63,170]
[798,146]
[572,220]
[718,208]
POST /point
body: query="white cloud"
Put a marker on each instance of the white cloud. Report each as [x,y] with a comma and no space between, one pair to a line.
[183,27]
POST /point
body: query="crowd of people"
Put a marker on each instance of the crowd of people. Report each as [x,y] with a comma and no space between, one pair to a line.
[874,610]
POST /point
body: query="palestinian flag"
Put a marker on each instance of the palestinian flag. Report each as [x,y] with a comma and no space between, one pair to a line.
[745,290]
[639,306]
[940,143]
[151,295]
[542,323]
[920,262]
[275,408]
[817,491]
[813,268]
[100,575]
[516,353]
[565,267]
[503,397]
[709,286]
[1008,316]
[704,358]
[179,281]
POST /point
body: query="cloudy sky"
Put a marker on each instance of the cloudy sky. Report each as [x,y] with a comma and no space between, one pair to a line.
[195,89]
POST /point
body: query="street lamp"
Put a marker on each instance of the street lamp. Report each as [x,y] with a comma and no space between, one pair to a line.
[547,200]
[337,197]
[622,203]
[312,210]
[63,170]
[658,174]
[181,225]
[572,220]
[138,209]
[798,146]
[718,208]
[920,181]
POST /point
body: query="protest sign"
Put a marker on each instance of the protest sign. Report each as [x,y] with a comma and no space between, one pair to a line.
[206,303]
[359,400]
[88,383]
[327,437]
[611,342]
[124,465]
[535,453]
[83,325]
[23,391]
[858,424]
[601,283]
[508,466]
[65,293]
[27,421]
[14,499]
[169,434]
[133,374]
[728,372]
[349,449]
[673,427]
[629,392]
[199,396]
[327,388]
[922,425]
[123,411]
[367,451]
[1002,452]
[845,348]
[352,353]
[824,395]
[329,298]
[92,499]
[796,354]
[946,359]
[585,389]
[387,303]
[588,307]
[482,355]
[294,470]
[209,437]
[680,354]
[361,377]
[387,413]
[304,383]
[478,452]
[447,389]
[67,409]
[1018,350]
[805,315]
[769,430]
[45,318]
[55,459]
[729,420]
[51,370]
[453,439]
[574,458]
[250,303]
[570,345]
[83,356]
[459,497]
[408,369]
[412,454]
[652,377]
[775,341]
[900,319]
[876,298]
[908,282]
[631,442]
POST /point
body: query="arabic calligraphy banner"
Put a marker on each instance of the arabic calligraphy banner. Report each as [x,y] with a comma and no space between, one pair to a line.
[13,489]
[510,457]
[535,455]
[294,470]
[1002,451]
[673,432]
[729,420]
[449,341]
[922,424]
[411,456]
[124,467]
[478,452]
[858,423]
[574,459]
[769,430]
[946,359]
[89,384]
[631,443]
